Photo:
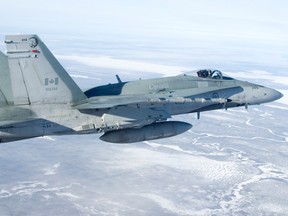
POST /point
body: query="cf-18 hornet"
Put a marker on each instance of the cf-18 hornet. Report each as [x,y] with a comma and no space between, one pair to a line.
[39,98]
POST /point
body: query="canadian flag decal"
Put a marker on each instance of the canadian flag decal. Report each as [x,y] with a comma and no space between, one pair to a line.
[51,81]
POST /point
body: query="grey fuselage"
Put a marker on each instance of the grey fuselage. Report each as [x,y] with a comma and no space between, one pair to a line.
[194,94]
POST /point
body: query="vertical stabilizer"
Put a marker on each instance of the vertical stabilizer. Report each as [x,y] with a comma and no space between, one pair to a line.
[36,75]
[6,96]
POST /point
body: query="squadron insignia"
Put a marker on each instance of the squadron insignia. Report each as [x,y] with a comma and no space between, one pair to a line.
[33,42]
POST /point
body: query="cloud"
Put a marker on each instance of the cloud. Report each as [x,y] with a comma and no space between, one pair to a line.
[121,64]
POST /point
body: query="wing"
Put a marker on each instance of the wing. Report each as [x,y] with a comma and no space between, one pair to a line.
[103,102]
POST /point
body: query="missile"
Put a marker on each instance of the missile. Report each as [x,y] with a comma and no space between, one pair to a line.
[149,132]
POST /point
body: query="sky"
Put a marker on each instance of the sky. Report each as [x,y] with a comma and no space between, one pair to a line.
[251,28]
[260,19]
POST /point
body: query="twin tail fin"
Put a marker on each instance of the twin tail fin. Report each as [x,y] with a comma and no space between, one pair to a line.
[36,75]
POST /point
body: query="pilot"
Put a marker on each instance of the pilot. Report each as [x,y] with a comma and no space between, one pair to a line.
[203,73]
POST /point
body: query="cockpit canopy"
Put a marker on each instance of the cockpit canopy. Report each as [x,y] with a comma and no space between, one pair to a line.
[208,73]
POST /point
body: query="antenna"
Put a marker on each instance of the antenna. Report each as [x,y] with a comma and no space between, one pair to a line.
[118,79]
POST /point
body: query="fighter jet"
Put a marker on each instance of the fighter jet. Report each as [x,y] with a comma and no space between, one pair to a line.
[39,98]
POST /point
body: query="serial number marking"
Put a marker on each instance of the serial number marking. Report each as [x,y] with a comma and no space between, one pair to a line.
[51,89]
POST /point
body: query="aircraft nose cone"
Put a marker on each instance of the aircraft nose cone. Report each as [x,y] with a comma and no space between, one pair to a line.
[272,94]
